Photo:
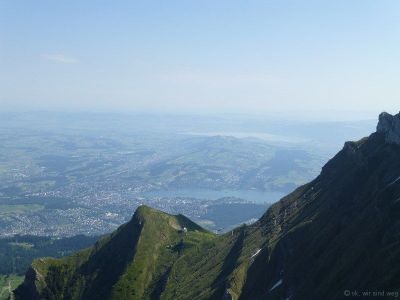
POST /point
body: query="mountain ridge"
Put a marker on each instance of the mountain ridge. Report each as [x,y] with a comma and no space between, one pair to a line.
[337,233]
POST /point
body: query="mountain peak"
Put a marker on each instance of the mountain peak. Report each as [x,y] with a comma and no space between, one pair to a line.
[389,125]
[145,213]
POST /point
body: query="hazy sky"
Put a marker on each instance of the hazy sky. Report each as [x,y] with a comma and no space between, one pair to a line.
[218,56]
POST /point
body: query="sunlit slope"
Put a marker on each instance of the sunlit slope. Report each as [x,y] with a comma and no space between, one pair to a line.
[133,262]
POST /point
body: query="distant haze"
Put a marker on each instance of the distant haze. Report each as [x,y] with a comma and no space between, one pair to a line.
[304,58]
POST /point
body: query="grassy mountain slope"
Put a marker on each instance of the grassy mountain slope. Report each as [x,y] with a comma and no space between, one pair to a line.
[132,262]
[339,232]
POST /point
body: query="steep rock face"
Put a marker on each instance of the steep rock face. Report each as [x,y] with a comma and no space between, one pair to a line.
[390,126]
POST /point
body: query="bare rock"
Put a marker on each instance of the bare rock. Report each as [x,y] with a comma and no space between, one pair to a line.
[390,126]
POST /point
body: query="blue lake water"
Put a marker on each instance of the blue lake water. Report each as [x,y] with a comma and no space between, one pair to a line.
[250,195]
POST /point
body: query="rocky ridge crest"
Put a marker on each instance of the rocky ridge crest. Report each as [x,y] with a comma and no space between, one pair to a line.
[390,126]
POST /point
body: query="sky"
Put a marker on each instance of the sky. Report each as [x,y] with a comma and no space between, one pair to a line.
[292,57]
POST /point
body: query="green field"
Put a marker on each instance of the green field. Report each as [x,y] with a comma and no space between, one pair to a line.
[25,246]
[7,284]
[6,209]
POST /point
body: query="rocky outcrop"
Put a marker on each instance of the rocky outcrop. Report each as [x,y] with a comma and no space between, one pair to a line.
[390,126]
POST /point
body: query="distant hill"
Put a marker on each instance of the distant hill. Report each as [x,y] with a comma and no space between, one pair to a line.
[336,235]
[17,252]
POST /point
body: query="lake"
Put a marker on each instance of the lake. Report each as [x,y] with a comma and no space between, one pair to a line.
[255,196]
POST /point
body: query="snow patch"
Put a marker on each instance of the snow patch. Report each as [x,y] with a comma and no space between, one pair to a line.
[256,253]
[276,285]
[394,181]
